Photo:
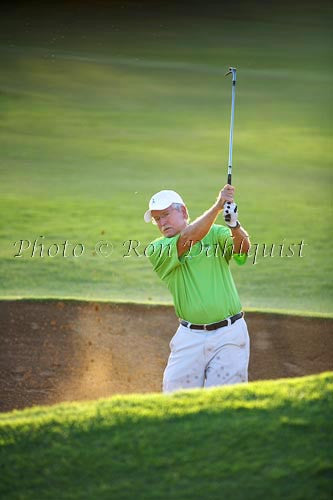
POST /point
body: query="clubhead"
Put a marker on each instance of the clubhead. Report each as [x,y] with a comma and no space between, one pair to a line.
[231,71]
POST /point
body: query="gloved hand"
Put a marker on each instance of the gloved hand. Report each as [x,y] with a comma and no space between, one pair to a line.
[230,214]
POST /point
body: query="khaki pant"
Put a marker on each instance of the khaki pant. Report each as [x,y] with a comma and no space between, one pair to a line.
[201,358]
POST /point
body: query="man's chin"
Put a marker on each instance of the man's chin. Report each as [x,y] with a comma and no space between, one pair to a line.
[169,233]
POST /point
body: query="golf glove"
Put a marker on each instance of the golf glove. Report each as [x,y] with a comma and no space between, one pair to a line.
[230,214]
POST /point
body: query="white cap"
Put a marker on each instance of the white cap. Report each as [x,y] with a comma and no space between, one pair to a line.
[162,200]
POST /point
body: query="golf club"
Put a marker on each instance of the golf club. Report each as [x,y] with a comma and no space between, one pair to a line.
[233,72]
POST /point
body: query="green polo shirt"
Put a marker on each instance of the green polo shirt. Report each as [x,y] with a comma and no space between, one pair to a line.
[200,281]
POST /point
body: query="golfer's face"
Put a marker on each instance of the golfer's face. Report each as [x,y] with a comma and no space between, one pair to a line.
[170,221]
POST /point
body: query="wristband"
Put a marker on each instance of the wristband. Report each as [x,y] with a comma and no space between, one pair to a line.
[235,227]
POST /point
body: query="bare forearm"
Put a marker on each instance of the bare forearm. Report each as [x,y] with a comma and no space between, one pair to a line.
[197,229]
[241,240]
[200,227]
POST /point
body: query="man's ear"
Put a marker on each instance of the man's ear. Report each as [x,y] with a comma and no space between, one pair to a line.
[184,212]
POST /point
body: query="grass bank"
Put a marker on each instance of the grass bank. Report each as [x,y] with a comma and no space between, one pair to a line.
[263,440]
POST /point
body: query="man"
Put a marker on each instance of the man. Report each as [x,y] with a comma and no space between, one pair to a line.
[211,345]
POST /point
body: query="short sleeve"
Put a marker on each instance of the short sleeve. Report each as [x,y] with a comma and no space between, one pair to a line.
[163,254]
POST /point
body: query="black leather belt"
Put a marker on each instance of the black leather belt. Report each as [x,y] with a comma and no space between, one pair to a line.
[212,326]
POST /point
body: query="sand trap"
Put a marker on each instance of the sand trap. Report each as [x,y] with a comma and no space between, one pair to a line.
[53,351]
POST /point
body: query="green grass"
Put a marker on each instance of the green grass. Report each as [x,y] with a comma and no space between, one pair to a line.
[263,440]
[100,113]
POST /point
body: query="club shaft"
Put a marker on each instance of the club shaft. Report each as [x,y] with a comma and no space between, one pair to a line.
[233,93]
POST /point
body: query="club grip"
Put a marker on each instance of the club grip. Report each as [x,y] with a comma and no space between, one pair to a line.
[229,179]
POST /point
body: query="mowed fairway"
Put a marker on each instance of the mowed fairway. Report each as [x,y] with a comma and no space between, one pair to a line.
[101,107]
[265,440]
